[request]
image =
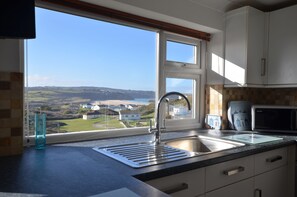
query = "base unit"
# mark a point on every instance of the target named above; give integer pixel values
(243, 189)
(273, 183)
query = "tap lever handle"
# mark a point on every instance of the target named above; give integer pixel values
(150, 130)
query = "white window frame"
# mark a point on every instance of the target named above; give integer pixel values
(189, 71)
(172, 69)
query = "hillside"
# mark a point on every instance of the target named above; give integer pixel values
(50, 94)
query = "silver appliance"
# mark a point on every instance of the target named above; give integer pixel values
(272, 118)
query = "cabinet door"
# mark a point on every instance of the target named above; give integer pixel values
(228, 172)
(244, 48)
(236, 47)
(243, 189)
(190, 183)
(272, 183)
(282, 47)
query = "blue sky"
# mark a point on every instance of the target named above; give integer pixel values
(75, 51)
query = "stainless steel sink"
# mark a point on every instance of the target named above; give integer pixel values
(139, 155)
(202, 144)
(146, 154)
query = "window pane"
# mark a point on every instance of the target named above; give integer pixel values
(87, 74)
(180, 52)
(177, 107)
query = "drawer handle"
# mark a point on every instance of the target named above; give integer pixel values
(233, 171)
(274, 159)
(258, 193)
(176, 188)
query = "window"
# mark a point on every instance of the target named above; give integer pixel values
(180, 64)
(186, 52)
(82, 73)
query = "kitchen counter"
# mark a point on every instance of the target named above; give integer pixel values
(74, 169)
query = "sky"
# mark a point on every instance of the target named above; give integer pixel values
(76, 51)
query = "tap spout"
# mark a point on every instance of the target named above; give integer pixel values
(157, 124)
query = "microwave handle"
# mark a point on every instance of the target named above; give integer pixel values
(294, 119)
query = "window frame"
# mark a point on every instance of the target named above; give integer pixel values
(159, 90)
(172, 69)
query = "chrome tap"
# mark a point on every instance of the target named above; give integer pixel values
(158, 128)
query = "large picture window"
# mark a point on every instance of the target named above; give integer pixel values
(95, 77)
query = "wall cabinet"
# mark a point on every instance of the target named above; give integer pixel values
(282, 58)
(262, 175)
(244, 47)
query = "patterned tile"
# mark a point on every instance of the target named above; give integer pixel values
(11, 113)
(261, 96)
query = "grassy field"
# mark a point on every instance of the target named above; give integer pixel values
(93, 124)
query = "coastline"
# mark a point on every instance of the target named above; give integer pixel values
(118, 102)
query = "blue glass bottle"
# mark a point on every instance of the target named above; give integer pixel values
(40, 131)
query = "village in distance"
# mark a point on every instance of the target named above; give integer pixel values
(73, 109)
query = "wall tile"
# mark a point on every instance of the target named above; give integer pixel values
(259, 96)
(17, 131)
(16, 113)
(14, 76)
(5, 113)
(5, 132)
(15, 104)
(11, 113)
(4, 76)
(4, 142)
(5, 123)
(4, 85)
(4, 104)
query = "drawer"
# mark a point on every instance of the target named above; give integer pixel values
(190, 183)
(225, 173)
(243, 188)
(270, 160)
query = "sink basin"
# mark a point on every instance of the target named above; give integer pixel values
(202, 144)
(139, 155)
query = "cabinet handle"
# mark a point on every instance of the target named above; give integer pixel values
(258, 193)
(274, 159)
(176, 188)
(233, 171)
(263, 67)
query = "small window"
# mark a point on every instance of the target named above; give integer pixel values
(180, 52)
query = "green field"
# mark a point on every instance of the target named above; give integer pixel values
(101, 123)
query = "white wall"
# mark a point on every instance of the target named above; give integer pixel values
(180, 12)
(215, 59)
(10, 55)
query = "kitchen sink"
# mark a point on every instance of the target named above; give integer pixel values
(202, 144)
(139, 155)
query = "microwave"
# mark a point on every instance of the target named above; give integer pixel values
(271, 118)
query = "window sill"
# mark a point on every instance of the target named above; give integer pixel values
(97, 135)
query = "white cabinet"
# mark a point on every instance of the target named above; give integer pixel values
(271, 178)
(272, 184)
(225, 173)
(282, 58)
(267, 174)
(190, 183)
(244, 48)
(243, 189)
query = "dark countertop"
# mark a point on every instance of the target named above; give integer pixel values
(74, 169)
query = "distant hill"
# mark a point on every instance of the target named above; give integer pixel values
(83, 94)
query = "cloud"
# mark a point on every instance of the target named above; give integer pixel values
(39, 80)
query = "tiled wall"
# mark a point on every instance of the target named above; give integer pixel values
(11, 113)
(267, 96)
